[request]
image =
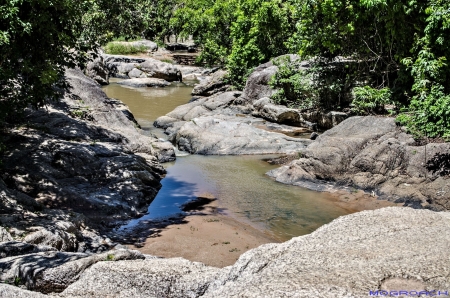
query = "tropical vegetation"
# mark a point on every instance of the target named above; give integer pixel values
(363, 54)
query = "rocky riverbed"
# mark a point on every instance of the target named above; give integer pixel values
(76, 168)
(389, 249)
(79, 164)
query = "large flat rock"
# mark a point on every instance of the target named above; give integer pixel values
(389, 249)
(373, 154)
(231, 135)
(217, 125)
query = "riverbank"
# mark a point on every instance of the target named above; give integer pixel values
(330, 261)
(209, 237)
(217, 239)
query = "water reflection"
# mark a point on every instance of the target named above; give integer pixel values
(147, 104)
(239, 182)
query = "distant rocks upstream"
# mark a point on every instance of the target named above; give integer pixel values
(130, 67)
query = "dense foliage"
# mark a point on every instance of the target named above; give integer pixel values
(402, 45)
(128, 19)
(363, 53)
(38, 39)
(238, 33)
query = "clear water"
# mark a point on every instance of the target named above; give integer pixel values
(239, 182)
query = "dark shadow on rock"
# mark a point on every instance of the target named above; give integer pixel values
(174, 202)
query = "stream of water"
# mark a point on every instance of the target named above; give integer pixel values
(239, 182)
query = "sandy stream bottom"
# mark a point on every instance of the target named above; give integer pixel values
(218, 240)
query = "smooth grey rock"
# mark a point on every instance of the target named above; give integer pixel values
(147, 278)
(354, 254)
(135, 73)
(372, 153)
(257, 85)
(53, 271)
(216, 125)
(265, 108)
(5, 235)
(144, 82)
(56, 279)
(212, 85)
(16, 292)
(349, 257)
(120, 66)
(97, 70)
(280, 114)
(230, 135)
(150, 45)
(161, 70)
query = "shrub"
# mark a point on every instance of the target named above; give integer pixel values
(368, 100)
(123, 48)
(428, 115)
(295, 86)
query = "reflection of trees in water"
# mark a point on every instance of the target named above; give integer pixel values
(161, 92)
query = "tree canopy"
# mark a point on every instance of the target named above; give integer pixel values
(38, 39)
(374, 51)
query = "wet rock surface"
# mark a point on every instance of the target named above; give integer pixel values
(373, 154)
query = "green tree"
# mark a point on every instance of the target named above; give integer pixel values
(401, 45)
(209, 21)
(259, 33)
(38, 40)
(237, 33)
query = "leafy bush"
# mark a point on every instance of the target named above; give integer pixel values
(428, 116)
(123, 48)
(259, 33)
(38, 40)
(294, 84)
(399, 44)
(209, 21)
(368, 100)
(240, 34)
(317, 85)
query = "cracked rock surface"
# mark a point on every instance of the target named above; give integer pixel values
(74, 169)
(367, 251)
(373, 154)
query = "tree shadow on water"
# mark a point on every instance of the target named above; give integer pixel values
(176, 200)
